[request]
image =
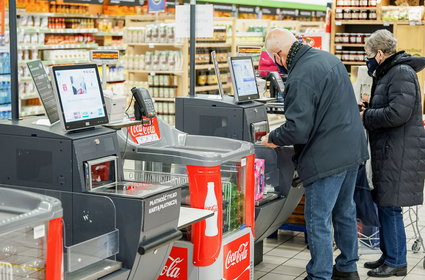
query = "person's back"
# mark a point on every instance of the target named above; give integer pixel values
(334, 140)
(323, 123)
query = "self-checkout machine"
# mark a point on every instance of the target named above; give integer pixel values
(113, 228)
(241, 117)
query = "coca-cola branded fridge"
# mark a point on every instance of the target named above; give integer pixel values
(220, 175)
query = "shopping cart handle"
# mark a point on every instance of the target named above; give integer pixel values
(158, 241)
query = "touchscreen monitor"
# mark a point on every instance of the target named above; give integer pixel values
(243, 79)
(79, 96)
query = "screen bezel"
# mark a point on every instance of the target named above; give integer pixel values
(243, 98)
(83, 123)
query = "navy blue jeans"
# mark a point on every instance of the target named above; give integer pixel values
(327, 199)
(392, 236)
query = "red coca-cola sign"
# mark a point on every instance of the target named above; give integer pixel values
(176, 266)
(237, 259)
(141, 134)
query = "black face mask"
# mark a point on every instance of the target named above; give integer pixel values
(371, 64)
(282, 69)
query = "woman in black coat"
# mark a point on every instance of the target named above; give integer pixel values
(397, 141)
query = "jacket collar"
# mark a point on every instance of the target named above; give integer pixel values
(388, 63)
(302, 50)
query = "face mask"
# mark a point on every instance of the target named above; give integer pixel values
(282, 69)
(371, 64)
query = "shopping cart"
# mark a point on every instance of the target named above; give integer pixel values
(418, 242)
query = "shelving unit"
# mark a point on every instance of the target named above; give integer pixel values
(163, 94)
(402, 30)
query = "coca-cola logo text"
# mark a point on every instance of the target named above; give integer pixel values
(172, 270)
(143, 130)
(234, 258)
(213, 208)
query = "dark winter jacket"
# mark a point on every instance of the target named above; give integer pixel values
(397, 136)
(322, 118)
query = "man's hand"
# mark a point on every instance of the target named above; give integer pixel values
(362, 108)
(265, 142)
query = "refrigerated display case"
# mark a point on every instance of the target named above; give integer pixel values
(220, 176)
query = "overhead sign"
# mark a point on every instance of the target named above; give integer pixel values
(155, 6)
(303, 13)
(204, 26)
(127, 2)
(224, 8)
(289, 12)
(269, 11)
(247, 9)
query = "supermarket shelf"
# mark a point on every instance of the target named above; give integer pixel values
(359, 22)
(153, 45)
(155, 72)
(57, 31)
(29, 96)
(115, 48)
(4, 74)
(354, 63)
(59, 61)
(23, 13)
(348, 45)
(116, 81)
(119, 33)
(164, 99)
(213, 45)
(357, 8)
(210, 66)
(249, 44)
(249, 34)
(64, 46)
(213, 87)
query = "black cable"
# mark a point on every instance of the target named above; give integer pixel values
(126, 139)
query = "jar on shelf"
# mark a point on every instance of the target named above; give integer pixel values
(364, 3)
(363, 15)
(353, 38)
(360, 56)
(372, 15)
(347, 14)
(202, 78)
(355, 3)
(338, 54)
(359, 38)
(345, 38)
(339, 15)
(366, 36)
(345, 55)
(355, 14)
(372, 3)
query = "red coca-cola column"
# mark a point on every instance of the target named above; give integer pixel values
(205, 193)
(250, 193)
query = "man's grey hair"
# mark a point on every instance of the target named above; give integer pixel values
(381, 40)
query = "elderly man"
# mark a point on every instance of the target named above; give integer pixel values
(323, 124)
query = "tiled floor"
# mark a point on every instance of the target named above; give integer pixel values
(286, 257)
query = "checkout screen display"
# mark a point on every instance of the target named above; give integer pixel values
(80, 94)
(243, 73)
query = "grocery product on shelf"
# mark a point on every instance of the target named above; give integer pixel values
(351, 38)
(152, 33)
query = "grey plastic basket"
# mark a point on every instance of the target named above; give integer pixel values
(24, 218)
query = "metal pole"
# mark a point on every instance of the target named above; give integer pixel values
(13, 60)
(192, 48)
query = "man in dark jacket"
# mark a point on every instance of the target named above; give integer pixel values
(397, 144)
(323, 124)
